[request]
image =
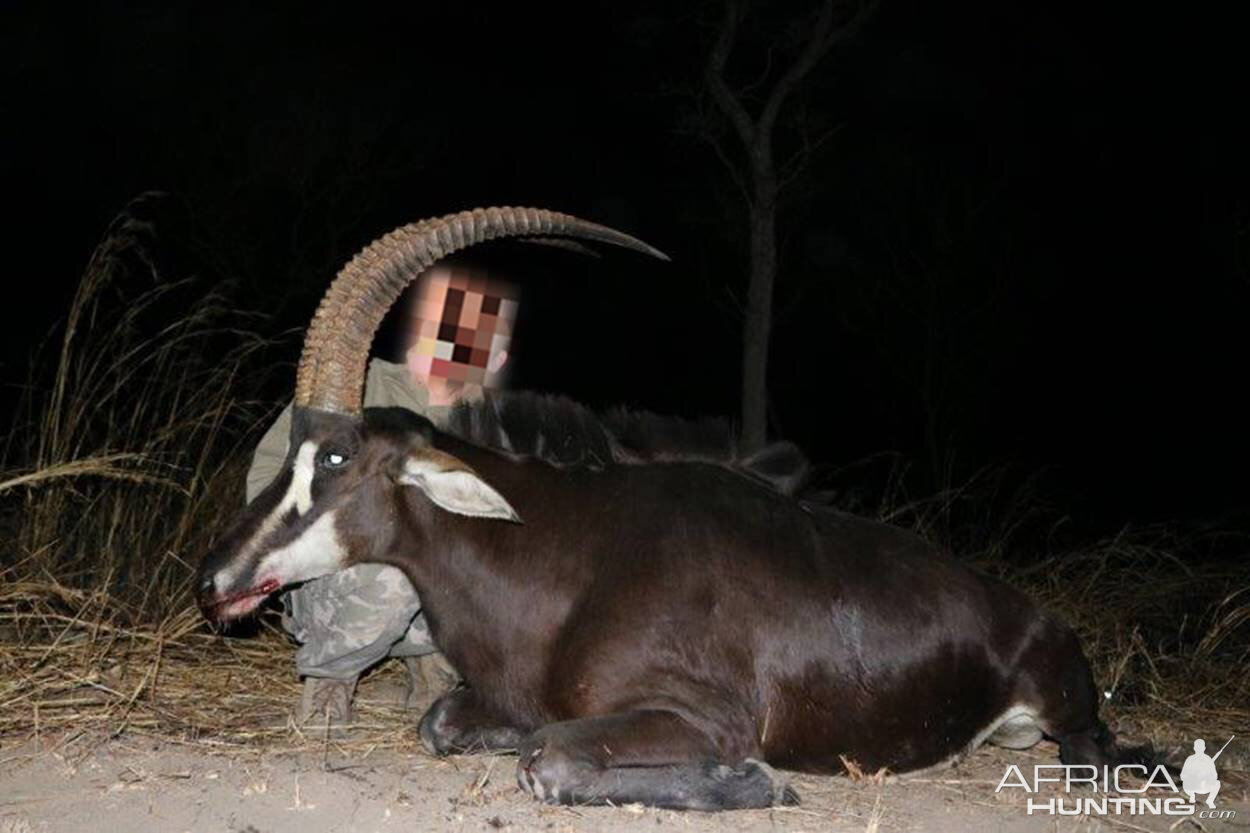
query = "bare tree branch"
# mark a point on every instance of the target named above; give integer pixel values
(734, 173)
(725, 98)
(767, 71)
(792, 167)
(818, 44)
(825, 34)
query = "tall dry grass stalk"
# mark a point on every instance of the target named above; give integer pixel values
(125, 459)
(126, 452)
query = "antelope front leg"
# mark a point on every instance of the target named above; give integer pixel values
(457, 724)
(647, 757)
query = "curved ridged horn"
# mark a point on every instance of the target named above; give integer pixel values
(336, 347)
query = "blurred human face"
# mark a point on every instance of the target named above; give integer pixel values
(461, 330)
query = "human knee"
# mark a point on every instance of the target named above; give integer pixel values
(416, 641)
(374, 602)
(375, 585)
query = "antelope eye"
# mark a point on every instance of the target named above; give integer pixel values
(333, 459)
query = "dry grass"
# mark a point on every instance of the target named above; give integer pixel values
(128, 456)
(129, 431)
(74, 674)
(121, 465)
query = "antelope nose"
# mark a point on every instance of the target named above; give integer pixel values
(206, 596)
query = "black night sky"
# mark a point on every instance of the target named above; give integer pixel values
(1026, 242)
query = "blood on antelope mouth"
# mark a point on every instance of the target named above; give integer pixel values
(263, 589)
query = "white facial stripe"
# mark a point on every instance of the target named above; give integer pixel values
(318, 552)
(300, 493)
(298, 496)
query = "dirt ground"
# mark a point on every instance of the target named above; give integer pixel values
(147, 785)
(221, 752)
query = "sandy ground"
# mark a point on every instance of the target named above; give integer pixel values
(149, 785)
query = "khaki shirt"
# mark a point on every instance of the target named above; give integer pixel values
(387, 385)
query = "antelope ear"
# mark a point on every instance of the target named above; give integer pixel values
(454, 486)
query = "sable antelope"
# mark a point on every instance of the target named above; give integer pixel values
(641, 629)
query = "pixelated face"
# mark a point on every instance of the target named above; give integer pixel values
(461, 330)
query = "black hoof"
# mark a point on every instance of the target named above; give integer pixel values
(758, 776)
(433, 743)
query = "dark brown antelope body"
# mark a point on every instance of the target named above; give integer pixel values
(785, 635)
(659, 630)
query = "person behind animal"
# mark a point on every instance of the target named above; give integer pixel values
(461, 330)
(1198, 774)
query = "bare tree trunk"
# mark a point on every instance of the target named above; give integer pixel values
(758, 317)
(760, 183)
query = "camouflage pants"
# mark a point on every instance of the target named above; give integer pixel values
(347, 621)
